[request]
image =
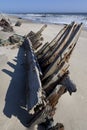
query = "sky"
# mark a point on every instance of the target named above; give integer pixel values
(43, 6)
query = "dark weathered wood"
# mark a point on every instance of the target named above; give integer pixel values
(57, 75)
(34, 85)
(50, 45)
(58, 48)
(5, 24)
(36, 38)
(49, 110)
(41, 30)
(41, 50)
(70, 86)
(44, 90)
(37, 44)
(48, 51)
(33, 35)
(73, 39)
(55, 95)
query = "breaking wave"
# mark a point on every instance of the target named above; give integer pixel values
(55, 18)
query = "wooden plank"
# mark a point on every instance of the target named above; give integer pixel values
(37, 44)
(44, 49)
(36, 37)
(51, 69)
(60, 72)
(34, 86)
(55, 95)
(48, 111)
(50, 48)
(38, 52)
(56, 76)
(41, 30)
(58, 48)
(45, 113)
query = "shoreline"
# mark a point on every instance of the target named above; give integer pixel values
(56, 18)
(15, 18)
(35, 26)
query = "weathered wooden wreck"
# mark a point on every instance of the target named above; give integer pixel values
(48, 72)
(6, 25)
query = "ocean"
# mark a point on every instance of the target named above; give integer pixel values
(56, 18)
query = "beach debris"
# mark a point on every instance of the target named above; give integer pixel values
(6, 17)
(18, 23)
(58, 126)
(49, 125)
(4, 42)
(36, 38)
(15, 38)
(48, 74)
(6, 25)
(19, 17)
(48, 46)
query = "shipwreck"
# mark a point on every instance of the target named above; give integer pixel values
(47, 69)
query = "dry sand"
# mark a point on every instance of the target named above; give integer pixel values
(71, 110)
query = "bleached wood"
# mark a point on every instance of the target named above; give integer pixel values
(57, 75)
(51, 69)
(50, 45)
(59, 47)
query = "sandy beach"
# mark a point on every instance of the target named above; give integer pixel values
(71, 110)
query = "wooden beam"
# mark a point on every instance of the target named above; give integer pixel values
(58, 48)
(55, 95)
(50, 45)
(56, 76)
(41, 30)
(33, 84)
(53, 66)
(48, 51)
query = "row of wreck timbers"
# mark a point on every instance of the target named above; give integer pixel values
(47, 67)
(48, 73)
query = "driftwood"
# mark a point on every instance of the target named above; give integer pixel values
(6, 26)
(36, 38)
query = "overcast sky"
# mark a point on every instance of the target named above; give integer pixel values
(43, 5)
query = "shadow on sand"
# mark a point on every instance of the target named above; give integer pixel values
(15, 100)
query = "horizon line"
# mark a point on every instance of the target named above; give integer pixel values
(60, 12)
(46, 12)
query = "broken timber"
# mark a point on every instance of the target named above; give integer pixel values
(71, 41)
(56, 42)
(34, 86)
(50, 45)
(46, 87)
(36, 37)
